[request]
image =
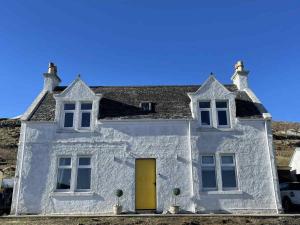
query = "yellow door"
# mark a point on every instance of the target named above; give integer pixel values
(145, 184)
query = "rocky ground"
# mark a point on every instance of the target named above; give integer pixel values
(157, 220)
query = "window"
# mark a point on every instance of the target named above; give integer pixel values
(83, 173)
(69, 109)
(64, 173)
(228, 172)
(85, 112)
(222, 113)
(208, 172)
(205, 113)
(146, 106)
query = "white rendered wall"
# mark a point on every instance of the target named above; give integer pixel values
(295, 161)
(114, 146)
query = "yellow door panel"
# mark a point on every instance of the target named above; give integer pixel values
(145, 184)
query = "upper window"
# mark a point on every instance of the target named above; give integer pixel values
(228, 172)
(85, 114)
(69, 110)
(222, 113)
(83, 173)
(208, 172)
(64, 173)
(205, 113)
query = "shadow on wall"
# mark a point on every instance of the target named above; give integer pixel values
(31, 184)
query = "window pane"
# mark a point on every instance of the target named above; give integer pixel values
(63, 179)
(228, 177)
(86, 119)
(69, 119)
(86, 106)
(84, 178)
(205, 118)
(84, 161)
(222, 118)
(204, 105)
(207, 160)
(69, 106)
(208, 178)
(227, 159)
(221, 104)
(65, 161)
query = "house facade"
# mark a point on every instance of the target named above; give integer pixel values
(80, 143)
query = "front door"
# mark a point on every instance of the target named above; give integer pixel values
(145, 184)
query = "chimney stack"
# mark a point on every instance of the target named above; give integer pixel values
(51, 78)
(240, 76)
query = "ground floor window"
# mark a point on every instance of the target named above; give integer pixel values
(218, 172)
(73, 178)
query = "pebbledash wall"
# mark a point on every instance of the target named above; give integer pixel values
(176, 144)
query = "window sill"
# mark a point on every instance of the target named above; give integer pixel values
(222, 192)
(77, 193)
(63, 130)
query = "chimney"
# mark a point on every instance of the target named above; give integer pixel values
(51, 79)
(240, 76)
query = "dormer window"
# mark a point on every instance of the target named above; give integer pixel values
(205, 113)
(69, 110)
(85, 115)
(222, 113)
(146, 106)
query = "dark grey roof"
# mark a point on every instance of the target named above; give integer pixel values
(169, 102)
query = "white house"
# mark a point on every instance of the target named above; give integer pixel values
(80, 143)
(295, 164)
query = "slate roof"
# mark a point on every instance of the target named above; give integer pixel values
(169, 102)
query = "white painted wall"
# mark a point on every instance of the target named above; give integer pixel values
(295, 161)
(114, 146)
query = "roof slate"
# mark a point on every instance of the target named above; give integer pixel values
(123, 102)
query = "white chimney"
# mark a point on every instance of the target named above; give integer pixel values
(240, 76)
(51, 79)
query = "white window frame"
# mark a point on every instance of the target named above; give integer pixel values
(229, 165)
(227, 113)
(83, 111)
(63, 167)
(149, 104)
(213, 165)
(83, 167)
(68, 111)
(205, 109)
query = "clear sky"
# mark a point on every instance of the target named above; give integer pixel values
(139, 42)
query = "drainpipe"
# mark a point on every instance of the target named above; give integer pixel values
(273, 168)
(191, 160)
(23, 128)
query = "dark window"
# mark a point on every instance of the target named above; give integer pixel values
(208, 172)
(228, 171)
(205, 118)
(222, 118)
(86, 106)
(68, 119)
(69, 106)
(204, 105)
(85, 119)
(64, 173)
(84, 173)
(221, 104)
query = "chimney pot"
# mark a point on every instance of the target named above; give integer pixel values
(240, 76)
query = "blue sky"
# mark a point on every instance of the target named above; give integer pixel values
(118, 42)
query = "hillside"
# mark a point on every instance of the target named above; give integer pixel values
(286, 139)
